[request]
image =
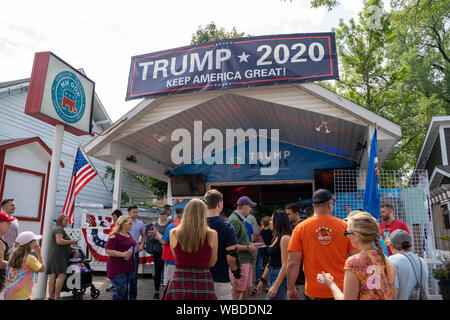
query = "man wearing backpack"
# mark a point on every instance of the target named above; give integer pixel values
(411, 271)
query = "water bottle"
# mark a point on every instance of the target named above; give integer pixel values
(131, 251)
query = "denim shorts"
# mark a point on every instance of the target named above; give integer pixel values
(282, 289)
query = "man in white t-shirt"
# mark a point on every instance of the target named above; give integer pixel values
(407, 265)
(9, 206)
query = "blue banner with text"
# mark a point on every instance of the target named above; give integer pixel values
(234, 63)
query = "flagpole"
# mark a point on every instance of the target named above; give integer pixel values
(372, 192)
(50, 208)
(92, 165)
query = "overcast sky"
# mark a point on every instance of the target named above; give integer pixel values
(102, 36)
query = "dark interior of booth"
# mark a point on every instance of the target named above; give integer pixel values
(268, 197)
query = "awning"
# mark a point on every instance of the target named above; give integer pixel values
(307, 115)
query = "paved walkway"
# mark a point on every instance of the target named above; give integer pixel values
(146, 289)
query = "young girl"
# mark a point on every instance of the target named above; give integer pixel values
(277, 252)
(22, 266)
(368, 274)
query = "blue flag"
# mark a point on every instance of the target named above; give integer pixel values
(372, 193)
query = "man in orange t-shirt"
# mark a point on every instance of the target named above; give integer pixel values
(321, 242)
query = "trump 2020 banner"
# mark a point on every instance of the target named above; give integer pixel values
(234, 63)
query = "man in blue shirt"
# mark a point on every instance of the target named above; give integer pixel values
(169, 259)
(226, 253)
(410, 269)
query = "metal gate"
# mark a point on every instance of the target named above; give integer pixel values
(408, 192)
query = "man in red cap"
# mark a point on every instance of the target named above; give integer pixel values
(9, 206)
(5, 224)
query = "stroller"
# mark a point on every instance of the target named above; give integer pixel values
(79, 275)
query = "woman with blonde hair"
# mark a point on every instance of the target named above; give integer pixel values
(59, 255)
(194, 246)
(22, 267)
(120, 264)
(368, 274)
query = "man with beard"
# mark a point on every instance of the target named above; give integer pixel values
(390, 224)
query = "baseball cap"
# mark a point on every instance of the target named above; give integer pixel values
(27, 236)
(242, 201)
(398, 238)
(321, 196)
(5, 218)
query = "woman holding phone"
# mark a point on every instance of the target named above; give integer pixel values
(59, 255)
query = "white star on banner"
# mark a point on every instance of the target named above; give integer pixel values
(243, 57)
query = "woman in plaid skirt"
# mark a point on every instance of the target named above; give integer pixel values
(194, 246)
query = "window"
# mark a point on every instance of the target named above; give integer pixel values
(27, 189)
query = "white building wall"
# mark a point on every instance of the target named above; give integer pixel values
(16, 124)
(30, 156)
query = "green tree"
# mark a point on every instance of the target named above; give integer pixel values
(212, 33)
(423, 46)
(366, 76)
(383, 69)
(159, 188)
(420, 49)
(422, 35)
(329, 4)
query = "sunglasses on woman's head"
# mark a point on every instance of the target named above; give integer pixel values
(346, 233)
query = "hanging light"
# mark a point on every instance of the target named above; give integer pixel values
(132, 158)
(325, 125)
(159, 138)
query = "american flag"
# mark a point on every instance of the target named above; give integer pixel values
(82, 173)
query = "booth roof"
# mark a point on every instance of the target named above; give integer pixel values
(303, 113)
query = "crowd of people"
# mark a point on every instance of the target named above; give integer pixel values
(200, 253)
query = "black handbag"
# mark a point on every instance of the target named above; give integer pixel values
(152, 245)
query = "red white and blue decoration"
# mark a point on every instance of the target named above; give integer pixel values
(98, 221)
(96, 240)
(82, 173)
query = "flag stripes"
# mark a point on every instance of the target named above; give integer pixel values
(82, 173)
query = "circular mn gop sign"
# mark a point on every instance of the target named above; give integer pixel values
(68, 97)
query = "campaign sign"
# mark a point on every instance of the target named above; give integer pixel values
(234, 63)
(60, 94)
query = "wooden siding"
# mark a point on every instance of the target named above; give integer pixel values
(435, 158)
(447, 141)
